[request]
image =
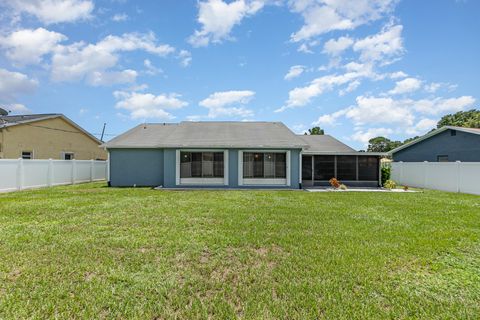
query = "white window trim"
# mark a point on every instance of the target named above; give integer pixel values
(65, 152)
(201, 181)
(264, 181)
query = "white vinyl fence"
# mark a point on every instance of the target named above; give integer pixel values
(24, 174)
(447, 176)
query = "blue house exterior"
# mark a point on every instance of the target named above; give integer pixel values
(233, 155)
(158, 167)
(446, 144)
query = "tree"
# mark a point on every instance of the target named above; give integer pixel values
(467, 119)
(410, 139)
(382, 144)
(315, 131)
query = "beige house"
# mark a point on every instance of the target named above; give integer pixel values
(46, 136)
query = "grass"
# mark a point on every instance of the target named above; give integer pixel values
(88, 251)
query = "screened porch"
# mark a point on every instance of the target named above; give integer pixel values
(359, 170)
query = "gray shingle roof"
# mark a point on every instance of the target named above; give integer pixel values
(323, 144)
(209, 135)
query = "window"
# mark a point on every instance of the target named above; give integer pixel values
(442, 158)
(453, 132)
(68, 156)
(347, 167)
(368, 168)
(323, 167)
(268, 165)
(201, 165)
(27, 155)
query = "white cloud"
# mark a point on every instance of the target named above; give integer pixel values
(81, 61)
(363, 136)
(374, 110)
(301, 96)
(151, 69)
(435, 86)
(304, 48)
(335, 47)
(28, 46)
(120, 17)
(294, 72)
(421, 127)
(185, 58)
(98, 78)
(13, 84)
(441, 105)
(407, 85)
(352, 86)
(147, 105)
(398, 75)
(16, 108)
(228, 104)
(54, 11)
(329, 119)
(322, 16)
(218, 19)
(381, 47)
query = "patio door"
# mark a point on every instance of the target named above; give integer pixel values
(307, 171)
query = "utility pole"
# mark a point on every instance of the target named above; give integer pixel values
(103, 131)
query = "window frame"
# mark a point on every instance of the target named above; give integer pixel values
(67, 152)
(264, 181)
(31, 155)
(214, 181)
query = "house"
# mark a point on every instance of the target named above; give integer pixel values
(46, 136)
(234, 155)
(446, 144)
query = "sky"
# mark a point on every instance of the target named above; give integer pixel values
(358, 69)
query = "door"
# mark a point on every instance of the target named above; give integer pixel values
(307, 171)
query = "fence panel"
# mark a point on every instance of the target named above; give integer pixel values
(35, 173)
(8, 175)
(447, 176)
(23, 174)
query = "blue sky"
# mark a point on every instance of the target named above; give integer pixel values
(356, 68)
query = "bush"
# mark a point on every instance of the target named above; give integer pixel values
(390, 184)
(334, 183)
(343, 187)
(385, 174)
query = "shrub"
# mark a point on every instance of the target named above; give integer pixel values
(390, 184)
(334, 183)
(343, 187)
(405, 188)
(386, 172)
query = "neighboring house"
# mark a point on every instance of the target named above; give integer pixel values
(234, 155)
(46, 136)
(446, 144)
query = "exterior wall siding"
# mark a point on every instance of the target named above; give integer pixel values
(157, 167)
(140, 167)
(463, 147)
(47, 143)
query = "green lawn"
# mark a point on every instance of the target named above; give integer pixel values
(88, 251)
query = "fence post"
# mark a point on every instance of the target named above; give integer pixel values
(20, 174)
(50, 173)
(458, 175)
(425, 174)
(74, 170)
(91, 169)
